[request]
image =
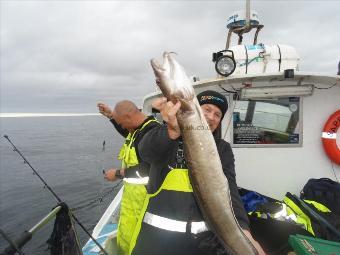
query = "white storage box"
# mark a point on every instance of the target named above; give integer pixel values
(260, 58)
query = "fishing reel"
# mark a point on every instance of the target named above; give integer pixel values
(225, 63)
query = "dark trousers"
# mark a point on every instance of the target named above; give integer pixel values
(155, 241)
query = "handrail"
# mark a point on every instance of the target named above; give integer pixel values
(45, 220)
(26, 236)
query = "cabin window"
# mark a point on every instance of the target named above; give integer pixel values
(157, 115)
(267, 122)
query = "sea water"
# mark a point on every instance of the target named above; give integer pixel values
(68, 152)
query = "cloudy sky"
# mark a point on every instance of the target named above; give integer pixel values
(64, 56)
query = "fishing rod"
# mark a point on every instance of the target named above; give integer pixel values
(54, 194)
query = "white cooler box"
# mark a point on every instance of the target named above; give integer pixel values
(264, 58)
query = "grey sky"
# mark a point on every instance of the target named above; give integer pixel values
(65, 56)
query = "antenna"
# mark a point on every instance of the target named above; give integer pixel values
(242, 22)
(247, 13)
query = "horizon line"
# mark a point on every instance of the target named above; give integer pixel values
(34, 114)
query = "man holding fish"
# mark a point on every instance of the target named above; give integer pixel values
(191, 207)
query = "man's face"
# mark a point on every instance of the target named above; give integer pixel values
(212, 114)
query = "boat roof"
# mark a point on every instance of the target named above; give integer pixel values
(267, 79)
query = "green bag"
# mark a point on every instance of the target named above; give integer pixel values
(304, 245)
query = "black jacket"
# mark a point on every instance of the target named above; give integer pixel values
(157, 149)
(142, 167)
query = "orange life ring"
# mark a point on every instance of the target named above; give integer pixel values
(329, 137)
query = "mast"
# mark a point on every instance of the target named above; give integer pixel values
(247, 13)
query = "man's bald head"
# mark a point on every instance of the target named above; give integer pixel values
(126, 107)
(128, 115)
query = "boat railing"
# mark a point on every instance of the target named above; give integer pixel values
(26, 236)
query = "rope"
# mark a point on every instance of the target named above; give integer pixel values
(99, 198)
(327, 87)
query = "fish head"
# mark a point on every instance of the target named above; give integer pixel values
(172, 79)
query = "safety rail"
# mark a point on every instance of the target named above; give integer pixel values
(26, 236)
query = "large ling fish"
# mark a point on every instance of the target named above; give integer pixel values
(207, 178)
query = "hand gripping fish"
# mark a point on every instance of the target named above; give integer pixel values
(207, 178)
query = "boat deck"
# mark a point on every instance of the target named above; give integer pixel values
(91, 248)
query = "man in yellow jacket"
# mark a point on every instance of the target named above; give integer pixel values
(132, 124)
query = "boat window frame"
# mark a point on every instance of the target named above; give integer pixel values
(262, 145)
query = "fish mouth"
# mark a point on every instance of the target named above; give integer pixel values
(168, 62)
(157, 68)
(172, 79)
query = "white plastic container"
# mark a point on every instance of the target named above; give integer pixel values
(260, 58)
